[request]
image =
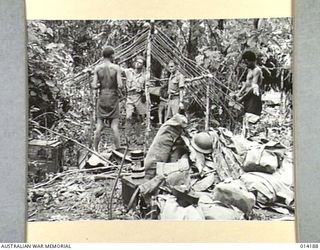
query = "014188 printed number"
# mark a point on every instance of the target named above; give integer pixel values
(309, 245)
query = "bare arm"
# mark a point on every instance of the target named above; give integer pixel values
(119, 78)
(94, 83)
(181, 87)
(163, 99)
(245, 94)
(242, 88)
(266, 69)
(257, 76)
(124, 70)
(257, 81)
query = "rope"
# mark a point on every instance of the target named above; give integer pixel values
(118, 54)
(199, 101)
(130, 57)
(199, 73)
(188, 62)
(138, 34)
(127, 50)
(155, 53)
(164, 50)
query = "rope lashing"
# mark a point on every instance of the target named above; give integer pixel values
(163, 49)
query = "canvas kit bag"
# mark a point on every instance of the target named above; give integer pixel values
(161, 147)
(264, 158)
(234, 193)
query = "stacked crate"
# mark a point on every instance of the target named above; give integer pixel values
(44, 156)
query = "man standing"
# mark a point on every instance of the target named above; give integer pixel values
(175, 90)
(107, 80)
(250, 93)
(136, 80)
(136, 100)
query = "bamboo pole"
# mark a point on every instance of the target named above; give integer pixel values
(92, 114)
(147, 83)
(207, 108)
(148, 74)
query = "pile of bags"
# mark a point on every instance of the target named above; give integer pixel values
(216, 175)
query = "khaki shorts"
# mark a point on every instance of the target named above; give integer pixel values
(173, 107)
(133, 104)
(162, 105)
(251, 118)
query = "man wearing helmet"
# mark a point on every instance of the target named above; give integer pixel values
(202, 142)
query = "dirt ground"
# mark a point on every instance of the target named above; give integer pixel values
(85, 195)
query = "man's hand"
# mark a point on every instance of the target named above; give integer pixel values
(95, 93)
(181, 106)
(255, 89)
(239, 97)
(143, 97)
(95, 86)
(163, 99)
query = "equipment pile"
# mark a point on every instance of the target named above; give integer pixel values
(187, 175)
(215, 174)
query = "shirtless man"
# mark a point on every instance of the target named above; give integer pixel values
(250, 93)
(107, 79)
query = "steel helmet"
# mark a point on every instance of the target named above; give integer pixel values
(202, 142)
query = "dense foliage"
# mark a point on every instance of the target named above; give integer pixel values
(61, 56)
(61, 49)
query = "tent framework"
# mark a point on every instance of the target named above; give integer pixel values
(154, 43)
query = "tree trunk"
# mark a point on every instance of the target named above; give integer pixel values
(192, 46)
(256, 23)
(220, 24)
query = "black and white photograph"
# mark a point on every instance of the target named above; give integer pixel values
(160, 120)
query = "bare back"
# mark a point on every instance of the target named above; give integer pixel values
(107, 76)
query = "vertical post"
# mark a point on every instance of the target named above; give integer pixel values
(207, 107)
(148, 74)
(282, 106)
(92, 102)
(46, 125)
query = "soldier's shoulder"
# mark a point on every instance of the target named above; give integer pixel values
(179, 74)
(128, 69)
(114, 66)
(98, 67)
(257, 70)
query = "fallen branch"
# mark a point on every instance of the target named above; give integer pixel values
(32, 214)
(117, 178)
(75, 141)
(70, 173)
(48, 182)
(102, 177)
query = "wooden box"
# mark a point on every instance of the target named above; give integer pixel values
(45, 154)
(129, 185)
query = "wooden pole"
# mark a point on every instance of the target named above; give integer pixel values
(148, 75)
(207, 108)
(92, 113)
